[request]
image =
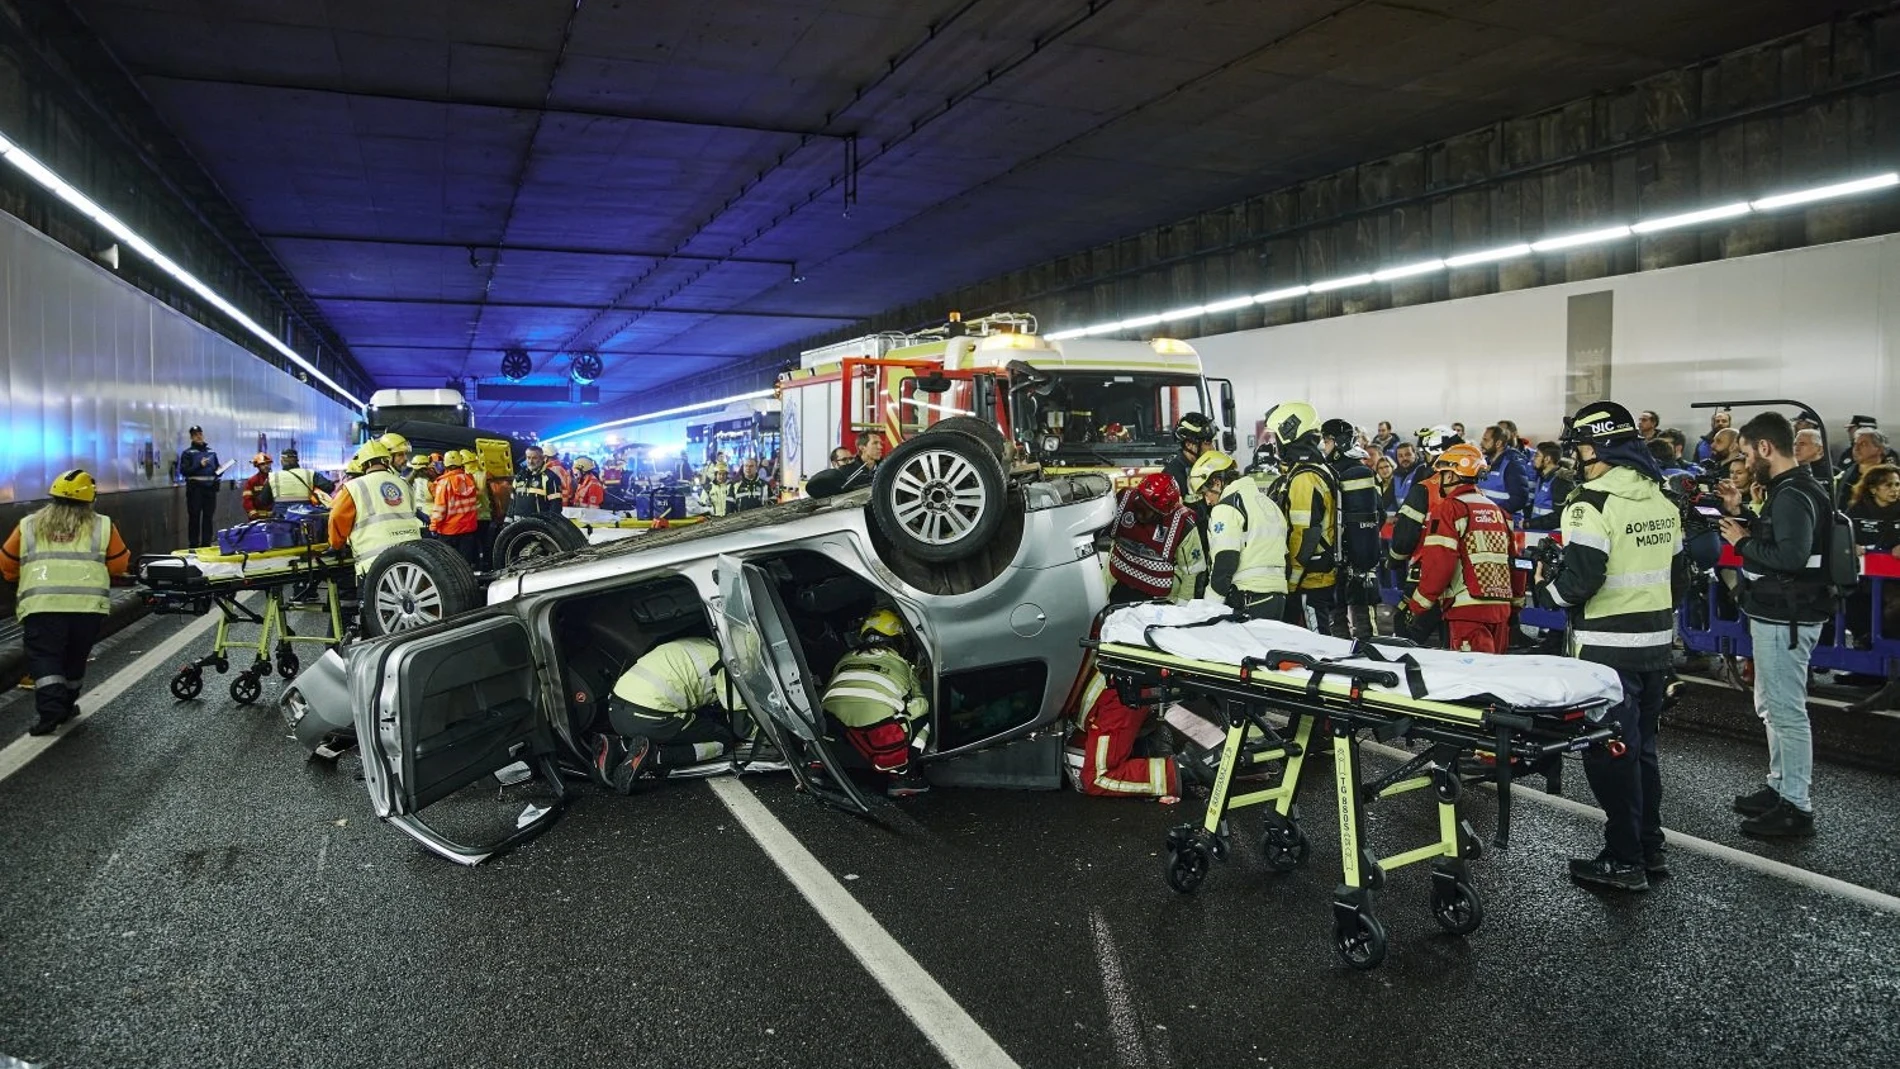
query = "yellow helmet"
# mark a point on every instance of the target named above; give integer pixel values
(354, 468)
(881, 627)
(395, 443)
(418, 462)
(1292, 421)
(583, 464)
(374, 449)
(471, 459)
(75, 485)
(1210, 463)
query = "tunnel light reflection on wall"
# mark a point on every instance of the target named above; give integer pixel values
(1580, 239)
(651, 416)
(59, 187)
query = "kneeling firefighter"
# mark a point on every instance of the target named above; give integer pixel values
(875, 694)
(1463, 596)
(672, 708)
(1309, 492)
(1101, 756)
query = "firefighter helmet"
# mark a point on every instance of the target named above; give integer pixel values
(418, 462)
(1436, 438)
(1293, 421)
(373, 450)
(1462, 460)
(261, 460)
(1341, 431)
(1160, 492)
(395, 443)
(75, 485)
(582, 464)
(1602, 423)
(882, 627)
(1194, 427)
(1211, 464)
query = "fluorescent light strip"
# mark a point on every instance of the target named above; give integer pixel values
(651, 416)
(1509, 252)
(39, 172)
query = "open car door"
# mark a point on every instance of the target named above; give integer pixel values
(765, 661)
(439, 709)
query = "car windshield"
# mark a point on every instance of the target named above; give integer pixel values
(1093, 410)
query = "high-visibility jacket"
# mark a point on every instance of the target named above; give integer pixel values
(1143, 555)
(1621, 536)
(455, 505)
(1507, 483)
(1312, 517)
(385, 515)
(1247, 524)
(422, 492)
(535, 493)
(589, 491)
(745, 494)
(64, 576)
(1465, 563)
(1190, 564)
(484, 508)
(293, 485)
(677, 677)
(873, 685)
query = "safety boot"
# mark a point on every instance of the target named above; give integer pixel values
(1606, 871)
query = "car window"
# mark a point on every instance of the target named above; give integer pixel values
(979, 703)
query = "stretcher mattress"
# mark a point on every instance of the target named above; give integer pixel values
(191, 567)
(1528, 682)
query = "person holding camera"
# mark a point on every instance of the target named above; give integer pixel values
(1621, 535)
(1786, 599)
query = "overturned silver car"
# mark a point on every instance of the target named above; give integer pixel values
(995, 574)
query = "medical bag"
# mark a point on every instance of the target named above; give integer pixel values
(313, 519)
(256, 536)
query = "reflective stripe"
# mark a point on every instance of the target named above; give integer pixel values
(1814, 561)
(379, 523)
(1556, 597)
(1442, 542)
(684, 694)
(1358, 484)
(1412, 514)
(1300, 517)
(1625, 639)
(1588, 538)
(1156, 783)
(1631, 579)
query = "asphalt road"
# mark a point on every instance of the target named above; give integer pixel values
(180, 887)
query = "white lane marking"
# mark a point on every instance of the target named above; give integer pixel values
(1124, 1024)
(1853, 892)
(1721, 684)
(25, 748)
(947, 1026)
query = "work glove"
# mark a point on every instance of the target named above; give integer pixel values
(1404, 623)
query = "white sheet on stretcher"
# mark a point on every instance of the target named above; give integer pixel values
(223, 570)
(1525, 681)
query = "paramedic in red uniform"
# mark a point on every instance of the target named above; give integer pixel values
(1150, 527)
(1464, 564)
(1107, 730)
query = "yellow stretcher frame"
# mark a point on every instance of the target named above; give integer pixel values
(312, 567)
(1502, 742)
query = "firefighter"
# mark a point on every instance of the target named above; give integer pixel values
(1464, 581)
(749, 491)
(257, 494)
(1195, 432)
(1408, 528)
(1246, 541)
(1208, 479)
(64, 557)
(671, 709)
(1157, 551)
(398, 447)
(537, 492)
(875, 693)
(1621, 539)
(376, 509)
(589, 491)
(1361, 516)
(1101, 755)
(484, 506)
(1309, 493)
(454, 515)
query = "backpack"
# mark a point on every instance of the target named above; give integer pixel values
(1834, 532)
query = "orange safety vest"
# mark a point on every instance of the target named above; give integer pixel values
(1473, 527)
(456, 504)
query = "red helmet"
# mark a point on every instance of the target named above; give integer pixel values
(1160, 492)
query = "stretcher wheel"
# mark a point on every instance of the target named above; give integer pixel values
(1461, 911)
(1285, 847)
(1360, 941)
(187, 683)
(1187, 867)
(245, 688)
(222, 664)
(288, 665)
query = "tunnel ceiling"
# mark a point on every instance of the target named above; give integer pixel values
(665, 181)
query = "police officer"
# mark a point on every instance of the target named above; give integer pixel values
(1360, 519)
(1246, 541)
(1311, 495)
(1621, 537)
(875, 693)
(375, 511)
(64, 557)
(1195, 432)
(672, 708)
(1464, 568)
(537, 490)
(749, 491)
(198, 466)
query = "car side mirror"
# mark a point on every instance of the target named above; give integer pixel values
(1228, 443)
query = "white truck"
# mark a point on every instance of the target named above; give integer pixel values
(1083, 404)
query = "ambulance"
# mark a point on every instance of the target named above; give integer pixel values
(1081, 404)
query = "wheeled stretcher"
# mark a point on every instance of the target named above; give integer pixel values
(299, 579)
(1479, 717)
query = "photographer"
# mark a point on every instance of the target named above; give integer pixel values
(1621, 536)
(1786, 599)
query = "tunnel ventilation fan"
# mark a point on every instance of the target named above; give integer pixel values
(586, 367)
(516, 364)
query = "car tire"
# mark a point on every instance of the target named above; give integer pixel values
(416, 584)
(528, 537)
(981, 429)
(939, 497)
